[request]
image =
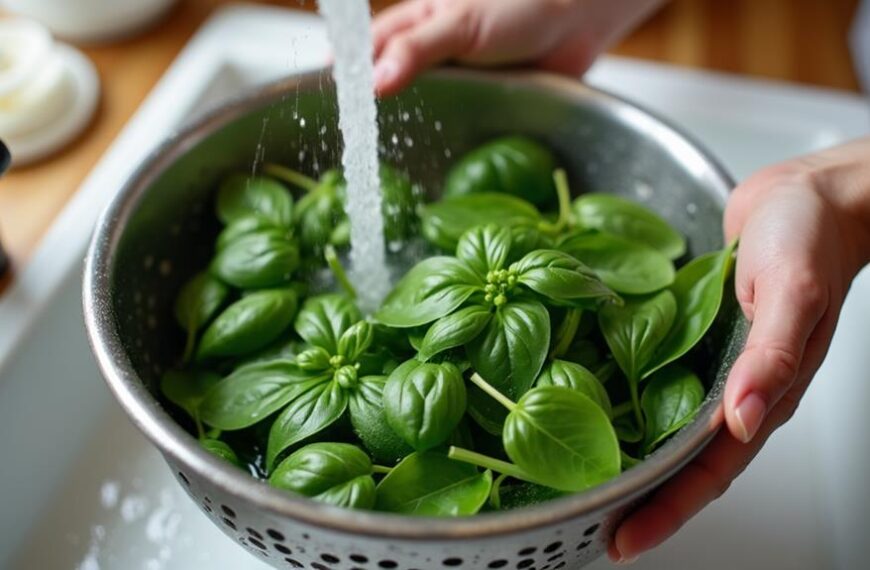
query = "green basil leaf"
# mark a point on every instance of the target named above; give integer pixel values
(400, 201)
(485, 248)
(187, 388)
(249, 324)
(624, 266)
(366, 408)
(521, 495)
(572, 375)
(431, 289)
(562, 439)
(509, 354)
(424, 402)
(199, 300)
(281, 349)
(627, 429)
(252, 393)
(698, 289)
(320, 211)
(257, 260)
(307, 414)
(359, 493)
(444, 221)
(670, 400)
(526, 239)
(356, 340)
(241, 196)
(628, 461)
(511, 165)
(623, 218)
(246, 226)
(636, 330)
(338, 474)
(221, 449)
(430, 484)
(456, 329)
(560, 277)
(323, 319)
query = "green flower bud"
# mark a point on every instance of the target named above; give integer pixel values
(313, 359)
(346, 376)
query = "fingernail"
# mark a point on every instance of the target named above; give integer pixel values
(750, 413)
(386, 71)
(626, 561)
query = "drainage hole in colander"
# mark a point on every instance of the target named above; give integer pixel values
(275, 535)
(319, 566)
(553, 547)
(527, 551)
(559, 565)
(228, 511)
(525, 562)
(452, 562)
(183, 478)
(257, 543)
(330, 558)
(584, 544)
(501, 563)
(255, 533)
(293, 563)
(229, 523)
(359, 558)
(591, 530)
(555, 557)
(282, 549)
(388, 564)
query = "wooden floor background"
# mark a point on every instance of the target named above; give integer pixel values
(803, 41)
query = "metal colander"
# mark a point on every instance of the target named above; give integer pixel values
(160, 228)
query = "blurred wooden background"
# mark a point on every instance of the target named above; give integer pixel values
(794, 40)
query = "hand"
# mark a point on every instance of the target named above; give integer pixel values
(564, 36)
(804, 230)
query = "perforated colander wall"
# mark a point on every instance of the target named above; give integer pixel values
(284, 543)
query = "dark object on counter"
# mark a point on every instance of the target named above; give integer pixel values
(5, 158)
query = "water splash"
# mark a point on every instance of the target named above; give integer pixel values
(348, 24)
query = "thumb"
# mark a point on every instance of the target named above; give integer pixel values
(787, 307)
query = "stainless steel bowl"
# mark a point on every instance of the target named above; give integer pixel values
(160, 227)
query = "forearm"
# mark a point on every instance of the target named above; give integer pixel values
(608, 26)
(843, 175)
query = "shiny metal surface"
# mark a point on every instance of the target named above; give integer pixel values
(160, 227)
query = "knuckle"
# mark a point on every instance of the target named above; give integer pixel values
(711, 477)
(408, 46)
(784, 364)
(809, 292)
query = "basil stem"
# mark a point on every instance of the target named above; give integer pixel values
(481, 460)
(564, 194)
(338, 271)
(566, 333)
(495, 394)
(293, 177)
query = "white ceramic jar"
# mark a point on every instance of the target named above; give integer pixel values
(90, 20)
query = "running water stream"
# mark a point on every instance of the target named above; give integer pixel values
(348, 24)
